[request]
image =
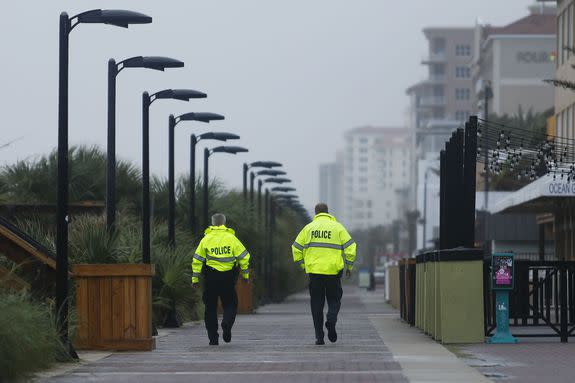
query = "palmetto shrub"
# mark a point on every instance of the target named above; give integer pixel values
(28, 337)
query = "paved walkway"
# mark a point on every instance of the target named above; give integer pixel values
(277, 345)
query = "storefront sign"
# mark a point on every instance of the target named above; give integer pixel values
(526, 57)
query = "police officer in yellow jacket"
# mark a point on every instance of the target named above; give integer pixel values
(216, 258)
(323, 249)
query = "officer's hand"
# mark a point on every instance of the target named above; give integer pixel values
(245, 281)
(348, 274)
(195, 285)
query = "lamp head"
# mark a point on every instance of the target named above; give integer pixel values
(117, 17)
(180, 94)
(201, 116)
(265, 164)
(271, 172)
(152, 62)
(218, 136)
(277, 180)
(283, 189)
(229, 149)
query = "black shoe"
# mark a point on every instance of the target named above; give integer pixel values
(319, 342)
(227, 332)
(331, 333)
(214, 342)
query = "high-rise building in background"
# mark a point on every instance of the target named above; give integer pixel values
(438, 105)
(331, 185)
(514, 59)
(377, 165)
(565, 98)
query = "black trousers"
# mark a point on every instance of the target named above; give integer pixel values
(322, 287)
(222, 285)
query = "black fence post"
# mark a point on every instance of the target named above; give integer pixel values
(458, 192)
(563, 268)
(442, 210)
(469, 182)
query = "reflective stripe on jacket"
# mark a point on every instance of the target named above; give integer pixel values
(324, 246)
(222, 250)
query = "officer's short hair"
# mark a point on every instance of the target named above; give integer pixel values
(218, 219)
(321, 208)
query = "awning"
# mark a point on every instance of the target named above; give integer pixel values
(540, 196)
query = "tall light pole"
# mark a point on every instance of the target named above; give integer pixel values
(172, 122)
(265, 172)
(257, 164)
(147, 100)
(207, 154)
(148, 62)
(268, 264)
(275, 180)
(193, 142)
(120, 18)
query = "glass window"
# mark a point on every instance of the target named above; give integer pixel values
(462, 72)
(463, 50)
(462, 94)
(438, 46)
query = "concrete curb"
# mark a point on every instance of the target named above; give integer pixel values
(421, 358)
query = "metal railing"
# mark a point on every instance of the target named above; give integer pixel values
(544, 296)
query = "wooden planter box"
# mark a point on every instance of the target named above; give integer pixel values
(245, 296)
(114, 307)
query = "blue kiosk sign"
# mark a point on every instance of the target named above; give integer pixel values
(502, 281)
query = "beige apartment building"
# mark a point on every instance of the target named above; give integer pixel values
(514, 60)
(565, 99)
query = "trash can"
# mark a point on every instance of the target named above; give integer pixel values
(459, 288)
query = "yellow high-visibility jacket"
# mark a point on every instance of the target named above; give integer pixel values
(221, 250)
(324, 246)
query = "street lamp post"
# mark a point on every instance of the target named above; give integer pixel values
(120, 18)
(193, 142)
(268, 265)
(207, 153)
(173, 121)
(257, 164)
(148, 62)
(147, 100)
(265, 172)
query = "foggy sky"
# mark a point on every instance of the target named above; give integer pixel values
(290, 76)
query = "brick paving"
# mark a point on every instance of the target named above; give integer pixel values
(531, 360)
(274, 345)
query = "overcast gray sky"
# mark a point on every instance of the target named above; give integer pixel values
(290, 76)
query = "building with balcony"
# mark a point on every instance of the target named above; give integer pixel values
(438, 105)
(447, 92)
(515, 59)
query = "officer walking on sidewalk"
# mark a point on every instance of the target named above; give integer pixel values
(216, 258)
(323, 249)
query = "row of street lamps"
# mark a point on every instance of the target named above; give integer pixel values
(124, 18)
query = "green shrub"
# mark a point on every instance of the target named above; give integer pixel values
(172, 284)
(28, 337)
